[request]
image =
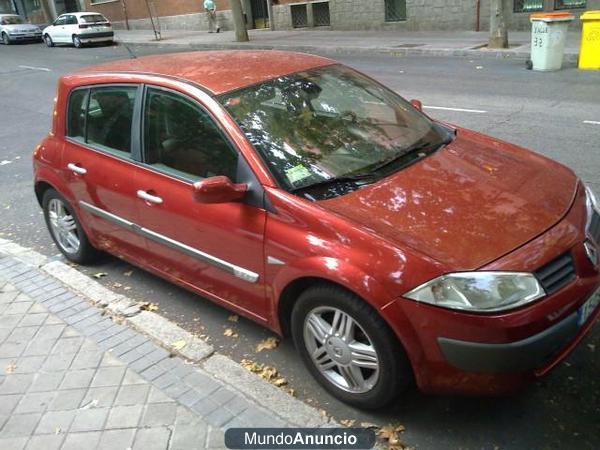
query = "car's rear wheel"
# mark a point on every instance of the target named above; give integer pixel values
(77, 41)
(5, 39)
(66, 230)
(348, 347)
(48, 40)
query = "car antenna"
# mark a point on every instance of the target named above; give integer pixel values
(131, 52)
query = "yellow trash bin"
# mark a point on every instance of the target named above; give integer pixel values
(589, 53)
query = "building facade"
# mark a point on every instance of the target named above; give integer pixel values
(412, 15)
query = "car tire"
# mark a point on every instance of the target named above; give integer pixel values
(48, 40)
(5, 39)
(369, 387)
(60, 216)
(77, 42)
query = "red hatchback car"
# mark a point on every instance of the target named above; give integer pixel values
(311, 199)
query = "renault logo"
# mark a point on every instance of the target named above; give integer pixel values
(592, 252)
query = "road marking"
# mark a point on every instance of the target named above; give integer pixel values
(592, 122)
(42, 69)
(476, 111)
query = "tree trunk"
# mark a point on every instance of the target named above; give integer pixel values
(241, 34)
(47, 11)
(498, 32)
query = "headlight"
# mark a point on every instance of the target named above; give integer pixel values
(479, 291)
(591, 200)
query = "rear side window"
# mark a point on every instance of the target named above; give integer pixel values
(103, 117)
(76, 119)
(71, 20)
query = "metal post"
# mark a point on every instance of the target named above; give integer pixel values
(125, 14)
(270, 11)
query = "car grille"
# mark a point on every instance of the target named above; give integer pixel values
(557, 273)
(594, 228)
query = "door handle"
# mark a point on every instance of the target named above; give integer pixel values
(75, 168)
(149, 197)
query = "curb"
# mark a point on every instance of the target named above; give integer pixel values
(166, 333)
(475, 51)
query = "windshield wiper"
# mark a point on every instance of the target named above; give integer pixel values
(415, 152)
(359, 179)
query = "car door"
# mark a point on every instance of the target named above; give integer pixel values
(57, 30)
(99, 165)
(215, 248)
(71, 27)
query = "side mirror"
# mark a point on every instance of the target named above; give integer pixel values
(417, 104)
(218, 190)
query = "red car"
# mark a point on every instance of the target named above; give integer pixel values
(311, 199)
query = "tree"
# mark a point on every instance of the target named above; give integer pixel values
(498, 32)
(47, 11)
(241, 34)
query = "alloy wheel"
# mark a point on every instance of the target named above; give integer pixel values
(5, 39)
(77, 41)
(64, 227)
(341, 350)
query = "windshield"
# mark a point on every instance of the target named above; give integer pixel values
(11, 20)
(329, 124)
(91, 18)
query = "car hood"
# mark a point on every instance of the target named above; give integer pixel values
(466, 205)
(21, 28)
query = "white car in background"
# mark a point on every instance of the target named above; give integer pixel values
(79, 29)
(14, 29)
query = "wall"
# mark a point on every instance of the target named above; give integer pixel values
(345, 14)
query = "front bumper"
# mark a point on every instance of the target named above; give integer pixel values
(488, 354)
(25, 37)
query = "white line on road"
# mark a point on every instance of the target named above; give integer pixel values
(476, 111)
(592, 122)
(43, 69)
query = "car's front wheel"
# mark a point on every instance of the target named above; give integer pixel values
(48, 40)
(77, 41)
(5, 39)
(348, 347)
(66, 230)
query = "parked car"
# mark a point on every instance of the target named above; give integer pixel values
(79, 29)
(14, 29)
(313, 200)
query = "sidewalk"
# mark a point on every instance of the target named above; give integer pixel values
(75, 376)
(394, 43)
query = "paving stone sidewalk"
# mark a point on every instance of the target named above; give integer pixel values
(72, 378)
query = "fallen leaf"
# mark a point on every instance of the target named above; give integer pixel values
(230, 333)
(128, 273)
(147, 306)
(280, 382)
(267, 344)
(100, 275)
(117, 285)
(233, 318)
(323, 413)
(292, 392)
(391, 434)
(479, 67)
(11, 367)
(57, 430)
(592, 347)
(126, 288)
(348, 422)
(178, 345)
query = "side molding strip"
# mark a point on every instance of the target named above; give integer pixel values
(237, 271)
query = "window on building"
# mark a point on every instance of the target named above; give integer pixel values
(181, 139)
(395, 10)
(528, 5)
(569, 4)
(109, 118)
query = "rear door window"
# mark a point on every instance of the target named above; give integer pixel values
(102, 117)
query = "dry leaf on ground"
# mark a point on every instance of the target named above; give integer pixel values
(229, 332)
(348, 422)
(147, 306)
(128, 273)
(268, 373)
(391, 435)
(233, 318)
(267, 344)
(100, 275)
(178, 345)
(11, 367)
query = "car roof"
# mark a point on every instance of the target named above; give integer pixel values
(217, 71)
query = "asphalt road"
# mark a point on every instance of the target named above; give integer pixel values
(552, 113)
